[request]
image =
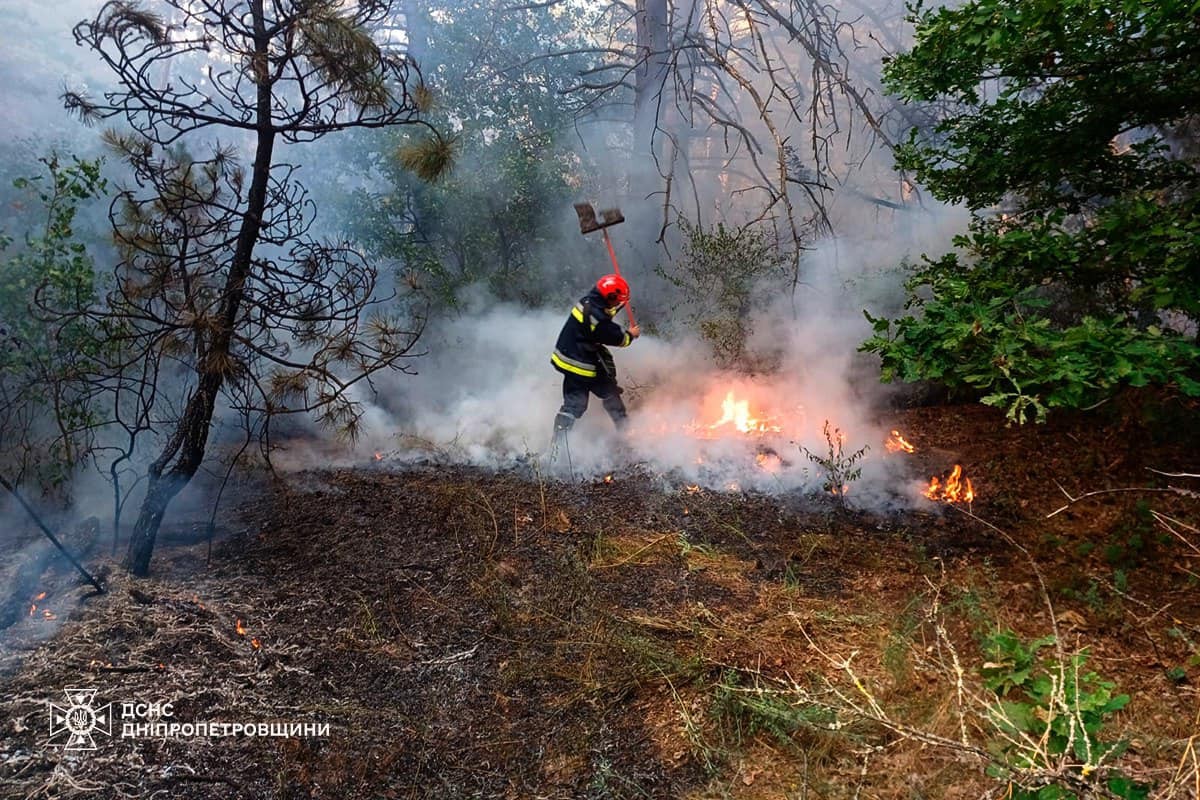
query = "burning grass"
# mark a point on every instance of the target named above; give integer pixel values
(471, 633)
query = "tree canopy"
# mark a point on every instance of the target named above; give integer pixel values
(1069, 128)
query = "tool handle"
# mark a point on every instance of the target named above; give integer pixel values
(617, 269)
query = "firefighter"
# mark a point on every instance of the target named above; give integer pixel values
(582, 356)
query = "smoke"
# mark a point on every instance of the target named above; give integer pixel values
(485, 393)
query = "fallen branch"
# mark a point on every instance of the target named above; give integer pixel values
(453, 658)
(1174, 474)
(50, 535)
(1074, 500)
(1166, 522)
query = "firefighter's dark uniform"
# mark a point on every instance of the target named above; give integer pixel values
(582, 357)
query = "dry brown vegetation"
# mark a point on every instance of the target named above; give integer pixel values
(478, 634)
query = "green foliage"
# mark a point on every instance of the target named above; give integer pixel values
(1075, 115)
(1004, 327)
(1040, 90)
(1048, 711)
(503, 175)
(783, 717)
(839, 468)
(44, 416)
(723, 274)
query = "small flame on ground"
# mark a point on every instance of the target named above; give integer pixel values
(255, 643)
(608, 478)
(768, 462)
(896, 443)
(379, 456)
(692, 489)
(240, 630)
(737, 413)
(49, 615)
(955, 489)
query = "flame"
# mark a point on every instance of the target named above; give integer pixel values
(896, 443)
(608, 478)
(378, 456)
(955, 489)
(49, 615)
(41, 596)
(240, 630)
(691, 489)
(255, 643)
(768, 462)
(737, 413)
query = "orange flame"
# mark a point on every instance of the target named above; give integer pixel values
(240, 630)
(956, 489)
(49, 615)
(379, 456)
(255, 643)
(896, 443)
(768, 462)
(608, 478)
(737, 413)
(33, 605)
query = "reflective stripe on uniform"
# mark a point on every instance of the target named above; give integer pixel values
(625, 342)
(573, 366)
(577, 313)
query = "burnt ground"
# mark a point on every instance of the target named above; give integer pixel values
(477, 634)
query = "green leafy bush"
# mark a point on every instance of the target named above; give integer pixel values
(723, 274)
(1050, 718)
(1075, 118)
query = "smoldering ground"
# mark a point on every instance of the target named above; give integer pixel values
(485, 393)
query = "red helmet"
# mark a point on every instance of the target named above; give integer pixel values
(613, 289)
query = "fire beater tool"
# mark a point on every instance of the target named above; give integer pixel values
(608, 217)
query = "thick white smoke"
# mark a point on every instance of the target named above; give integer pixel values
(486, 394)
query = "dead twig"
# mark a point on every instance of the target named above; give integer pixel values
(1074, 500)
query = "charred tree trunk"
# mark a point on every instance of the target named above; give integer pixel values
(187, 444)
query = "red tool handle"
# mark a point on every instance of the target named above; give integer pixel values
(617, 269)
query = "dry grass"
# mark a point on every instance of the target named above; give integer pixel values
(446, 622)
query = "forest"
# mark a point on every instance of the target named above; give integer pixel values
(889, 317)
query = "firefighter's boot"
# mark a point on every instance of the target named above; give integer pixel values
(558, 444)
